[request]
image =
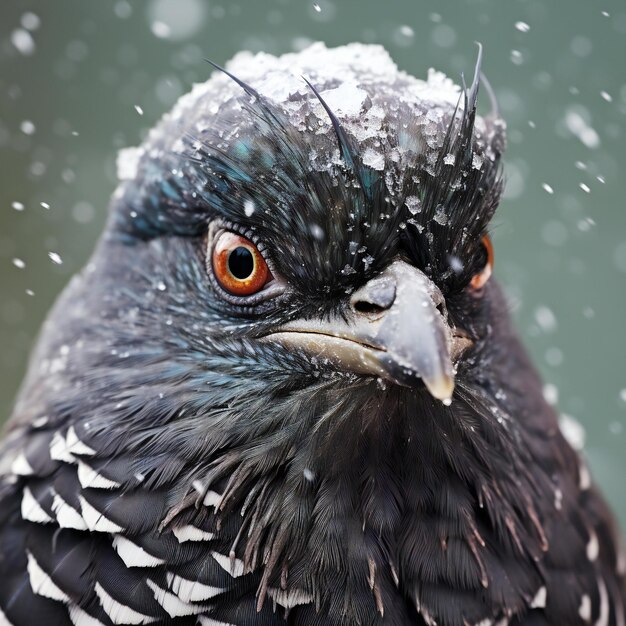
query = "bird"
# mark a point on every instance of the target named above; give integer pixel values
(286, 388)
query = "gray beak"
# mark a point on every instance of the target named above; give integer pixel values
(397, 329)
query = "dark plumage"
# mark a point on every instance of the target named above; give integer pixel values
(181, 454)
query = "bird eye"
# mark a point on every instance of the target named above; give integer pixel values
(238, 265)
(479, 280)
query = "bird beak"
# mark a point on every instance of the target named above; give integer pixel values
(397, 329)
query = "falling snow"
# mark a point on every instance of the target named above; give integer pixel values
(27, 127)
(160, 30)
(573, 431)
(545, 318)
(551, 393)
(23, 41)
(582, 129)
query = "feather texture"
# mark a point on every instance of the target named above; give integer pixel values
(165, 466)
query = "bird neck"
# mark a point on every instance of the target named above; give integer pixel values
(388, 486)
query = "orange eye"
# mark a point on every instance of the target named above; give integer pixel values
(480, 279)
(238, 265)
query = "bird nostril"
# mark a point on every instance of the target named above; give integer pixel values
(362, 306)
(443, 311)
(374, 297)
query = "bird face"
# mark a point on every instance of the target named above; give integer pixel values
(356, 253)
(395, 326)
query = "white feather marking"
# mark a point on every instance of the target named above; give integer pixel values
(503, 622)
(213, 499)
(484, 622)
(539, 601)
(67, 516)
(42, 584)
(80, 618)
(21, 466)
(75, 445)
(191, 590)
(191, 533)
(4, 621)
(32, 510)
(593, 547)
(584, 610)
(96, 521)
(120, 613)
(172, 604)
(605, 609)
(233, 566)
(89, 478)
(289, 598)
(134, 555)
(59, 451)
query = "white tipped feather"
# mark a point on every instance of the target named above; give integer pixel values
(96, 521)
(134, 555)
(32, 510)
(42, 584)
(120, 613)
(89, 478)
(67, 516)
(191, 590)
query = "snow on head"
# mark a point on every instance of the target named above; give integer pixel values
(127, 162)
(388, 112)
(351, 65)
(357, 82)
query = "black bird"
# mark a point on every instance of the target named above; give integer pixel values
(284, 389)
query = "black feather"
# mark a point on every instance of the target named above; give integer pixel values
(242, 482)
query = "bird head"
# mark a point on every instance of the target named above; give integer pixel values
(290, 318)
(300, 238)
(340, 215)
(288, 337)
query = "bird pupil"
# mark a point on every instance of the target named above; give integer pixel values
(241, 263)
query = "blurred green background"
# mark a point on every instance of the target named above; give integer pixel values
(80, 79)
